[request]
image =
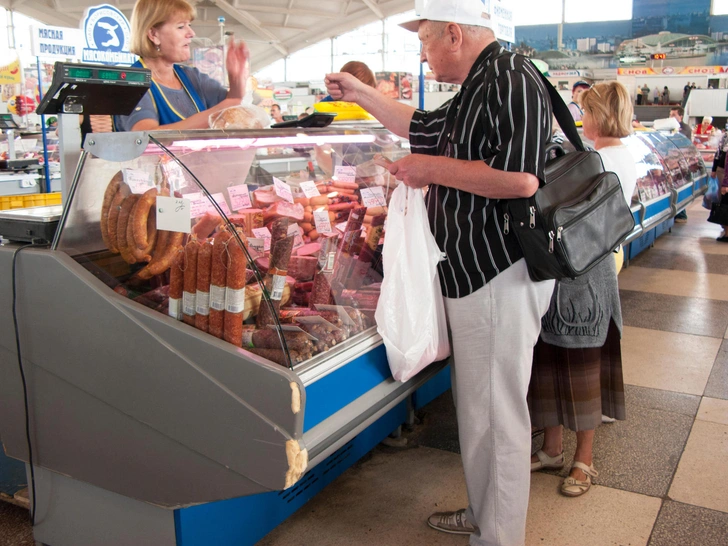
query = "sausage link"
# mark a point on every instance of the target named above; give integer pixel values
(218, 283)
(189, 296)
(121, 236)
(109, 195)
(176, 286)
(113, 219)
(204, 263)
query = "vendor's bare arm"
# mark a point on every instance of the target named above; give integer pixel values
(394, 115)
(418, 170)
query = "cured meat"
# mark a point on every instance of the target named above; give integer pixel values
(248, 219)
(301, 268)
(142, 254)
(218, 283)
(176, 286)
(206, 225)
(168, 244)
(283, 209)
(189, 296)
(269, 339)
(139, 219)
(111, 191)
(279, 356)
(366, 254)
(264, 197)
(275, 278)
(235, 294)
(204, 271)
(121, 229)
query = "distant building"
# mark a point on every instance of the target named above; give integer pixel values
(605, 47)
(586, 44)
(674, 45)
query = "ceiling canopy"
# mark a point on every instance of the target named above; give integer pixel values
(273, 28)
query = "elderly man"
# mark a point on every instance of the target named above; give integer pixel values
(483, 146)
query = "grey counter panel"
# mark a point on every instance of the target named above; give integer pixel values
(192, 420)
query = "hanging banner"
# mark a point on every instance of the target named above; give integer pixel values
(10, 71)
(108, 36)
(501, 15)
(57, 43)
(672, 70)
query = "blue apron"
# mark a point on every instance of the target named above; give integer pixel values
(166, 112)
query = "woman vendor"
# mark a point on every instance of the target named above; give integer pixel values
(180, 97)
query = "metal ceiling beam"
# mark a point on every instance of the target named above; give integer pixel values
(285, 11)
(252, 23)
(372, 6)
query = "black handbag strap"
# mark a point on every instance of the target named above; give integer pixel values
(562, 113)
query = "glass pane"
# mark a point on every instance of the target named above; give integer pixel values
(651, 177)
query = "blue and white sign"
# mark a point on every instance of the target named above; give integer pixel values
(57, 43)
(108, 36)
(501, 15)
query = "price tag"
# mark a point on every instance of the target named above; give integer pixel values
(174, 175)
(373, 197)
(283, 190)
(316, 320)
(139, 181)
(198, 204)
(173, 214)
(309, 189)
(239, 197)
(341, 227)
(293, 328)
(297, 232)
(345, 174)
(340, 310)
(220, 200)
(322, 221)
(263, 233)
(258, 244)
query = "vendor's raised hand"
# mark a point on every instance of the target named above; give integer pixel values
(237, 63)
(344, 86)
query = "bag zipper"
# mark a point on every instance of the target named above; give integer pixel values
(565, 168)
(560, 229)
(506, 223)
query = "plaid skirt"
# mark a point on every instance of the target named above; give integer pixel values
(574, 387)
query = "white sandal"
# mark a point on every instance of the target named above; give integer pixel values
(575, 488)
(545, 461)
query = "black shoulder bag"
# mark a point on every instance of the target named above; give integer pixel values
(578, 217)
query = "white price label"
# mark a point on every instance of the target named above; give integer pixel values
(139, 181)
(198, 204)
(262, 233)
(322, 221)
(259, 245)
(173, 214)
(373, 197)
(283, 190)
(297, 232)
(239, 197)
(278, 283)
(220, 200)
(309, 189)
(345, 174)
(174, 175)
(294, 328)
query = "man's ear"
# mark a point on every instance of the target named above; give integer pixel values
(454, 34)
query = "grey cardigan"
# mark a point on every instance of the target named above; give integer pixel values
(580, 309)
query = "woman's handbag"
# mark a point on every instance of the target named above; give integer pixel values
(719, 212)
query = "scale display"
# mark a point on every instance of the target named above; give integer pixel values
(92, 89)
(7, 122)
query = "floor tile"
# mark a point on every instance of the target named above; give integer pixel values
(438, 426)
(639, 454)
(694, 261)
(717, 386)
(680, 524)
(667, 361)
(714, 411)
(702, 475)
(384, 500)
(675, 313)
(675, 283)
(675, 402)
(603, 516)
(704, 245)
(15, 529)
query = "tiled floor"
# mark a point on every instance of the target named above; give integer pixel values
(663, 473)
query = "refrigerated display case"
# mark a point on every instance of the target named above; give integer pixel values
(199, 341)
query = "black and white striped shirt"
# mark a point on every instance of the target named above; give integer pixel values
(506, 122)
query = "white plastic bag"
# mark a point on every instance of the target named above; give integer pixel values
(411, 313)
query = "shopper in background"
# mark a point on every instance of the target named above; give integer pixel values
(645, 95)
(471, 156)
(705, 129)
(656, 96)
(275, 113)
(180, 97)
(723, 237)
(678, 112)
(577, 363)
(574, 106)
(360, 71)
(665, 96)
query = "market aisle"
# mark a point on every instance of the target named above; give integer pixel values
(663, 472)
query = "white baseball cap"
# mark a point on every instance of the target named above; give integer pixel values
(462, 12)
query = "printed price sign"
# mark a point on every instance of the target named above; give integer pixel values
(198, 204)
(309, 189)
(345, 174)
(239, 197)
(139, 181)
(295, 230)
(373, 197)
(283, 190)
(322, 221)
(220, 200)
(258, 244)
(173, 214)
(263, 233)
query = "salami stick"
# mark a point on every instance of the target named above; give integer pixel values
(113, 219)
(109, 195)
(204, 266)
(278, 356)
(218, 283)
(235, 294)
(275, 279)
(176, 286)
(189, 297)
(121, 235)
(269, 339)
(366, 254)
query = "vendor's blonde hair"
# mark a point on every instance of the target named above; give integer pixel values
(148, 14)
(610, 105)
